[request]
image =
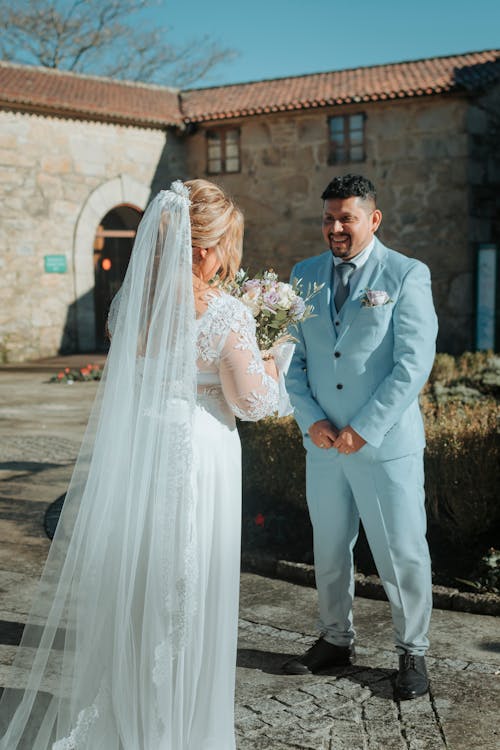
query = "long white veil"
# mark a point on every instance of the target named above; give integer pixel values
(113, 608)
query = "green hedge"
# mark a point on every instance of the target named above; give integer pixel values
(273, 460)
(461, 460)
(461, 465)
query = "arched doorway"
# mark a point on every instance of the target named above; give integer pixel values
(113, 244)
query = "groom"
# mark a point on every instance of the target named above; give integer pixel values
(354, 380)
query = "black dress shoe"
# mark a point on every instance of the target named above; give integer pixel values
(412, 679)
(322, 655)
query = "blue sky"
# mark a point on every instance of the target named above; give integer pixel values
(277, 38)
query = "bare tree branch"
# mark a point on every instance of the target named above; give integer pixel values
(102, 37)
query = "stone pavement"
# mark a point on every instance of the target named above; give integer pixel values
(348, 709)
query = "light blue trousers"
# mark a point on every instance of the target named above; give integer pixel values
(388, 496)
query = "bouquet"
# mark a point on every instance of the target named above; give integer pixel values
(275, 305)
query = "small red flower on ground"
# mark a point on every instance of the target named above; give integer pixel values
(60, 375)
(260, 520)
(66, 370)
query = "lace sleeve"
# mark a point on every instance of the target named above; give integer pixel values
(250, 392)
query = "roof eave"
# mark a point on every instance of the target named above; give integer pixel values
(290, 107)
(73, 113)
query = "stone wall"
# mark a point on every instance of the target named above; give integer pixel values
(432, 159)
(483, 179)
(58, 178)
(417, 156)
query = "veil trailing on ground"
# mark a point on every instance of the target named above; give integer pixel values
(113, 608)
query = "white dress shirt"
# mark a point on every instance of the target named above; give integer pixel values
(359, 261)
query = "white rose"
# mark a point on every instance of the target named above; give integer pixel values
(251, 299)
(286, 295)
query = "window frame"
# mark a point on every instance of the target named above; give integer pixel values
(346, 145)
(221, 132)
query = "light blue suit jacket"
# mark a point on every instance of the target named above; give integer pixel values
(368, 370)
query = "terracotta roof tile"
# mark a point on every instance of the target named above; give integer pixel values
(72, 94)
(378, 83)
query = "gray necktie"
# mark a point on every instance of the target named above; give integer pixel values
(344, 271)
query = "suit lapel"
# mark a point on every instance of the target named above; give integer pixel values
(366, 280)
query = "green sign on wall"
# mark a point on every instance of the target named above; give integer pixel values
(55, 264)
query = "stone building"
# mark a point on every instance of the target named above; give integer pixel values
(80, 157)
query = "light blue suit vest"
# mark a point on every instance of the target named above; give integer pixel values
(366, 366)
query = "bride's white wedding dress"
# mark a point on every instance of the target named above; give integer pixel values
(197, 696)
(231, 380)
(131, 640)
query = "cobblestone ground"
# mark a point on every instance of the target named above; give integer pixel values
(350, 709)
(353, 708)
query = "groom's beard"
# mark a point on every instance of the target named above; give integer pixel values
(342, 248)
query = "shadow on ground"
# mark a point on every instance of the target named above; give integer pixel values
(380, 681)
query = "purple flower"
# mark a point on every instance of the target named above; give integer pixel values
(298, 308)
(251, 284)
(271, 298)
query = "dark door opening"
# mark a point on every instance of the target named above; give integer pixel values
(112, 248)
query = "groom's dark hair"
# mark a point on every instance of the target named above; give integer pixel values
(349, 186)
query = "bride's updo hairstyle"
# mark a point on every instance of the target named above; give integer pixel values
(216, 222)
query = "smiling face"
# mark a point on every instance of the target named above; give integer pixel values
(349, 225)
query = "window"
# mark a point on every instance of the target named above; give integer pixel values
(223, 150)
(347, 138)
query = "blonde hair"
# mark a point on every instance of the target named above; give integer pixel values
(216, 222)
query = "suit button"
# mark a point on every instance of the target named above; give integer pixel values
(337, 354)
(339, 386)
(337, 322)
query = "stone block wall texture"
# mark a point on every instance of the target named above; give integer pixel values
(435, 162)
(417, 156)
(49, 170)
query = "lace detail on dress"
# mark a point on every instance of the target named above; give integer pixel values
(163, 658)
(211, 325)
(224, 313)
(87, 717)
(178, 593)
(226, 342)
(259, 405)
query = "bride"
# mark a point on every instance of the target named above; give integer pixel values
(131, 640)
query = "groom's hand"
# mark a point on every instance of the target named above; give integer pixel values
(322, 433)
(348, 441)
